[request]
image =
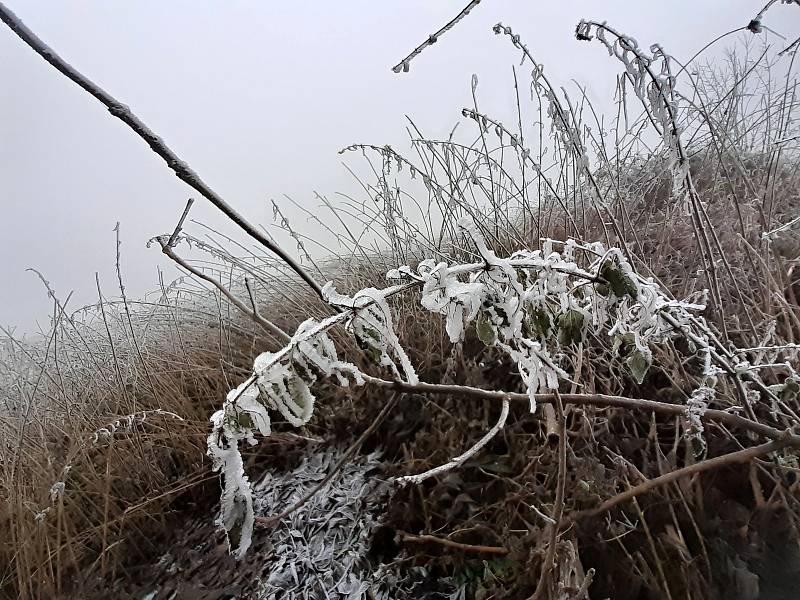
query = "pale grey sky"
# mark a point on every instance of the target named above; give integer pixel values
(258, 97)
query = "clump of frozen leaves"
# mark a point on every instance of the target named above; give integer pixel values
(534, 306)
(281, 382)
(321, 550)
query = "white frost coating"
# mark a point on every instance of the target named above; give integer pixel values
(443, 293)
(533, 306)
(236, 503)
(280, 382)
(462, 458)
(536, 367)
(372, 326)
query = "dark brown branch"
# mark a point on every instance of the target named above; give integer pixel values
(602, 400)
(432, 539)
(741, 456)
(157, 145)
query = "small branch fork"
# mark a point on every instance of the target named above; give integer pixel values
(167, 247)
(157, 145)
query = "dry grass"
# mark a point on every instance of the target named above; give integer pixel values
(183, 352)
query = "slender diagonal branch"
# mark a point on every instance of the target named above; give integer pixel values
(433, 539)
(403, 65)
(731, 458)
(157, 145)
(269, 326)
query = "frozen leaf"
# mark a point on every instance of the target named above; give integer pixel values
(571, 327)
(537, 322)
(639, 363)
(485, 330)
(618, 282)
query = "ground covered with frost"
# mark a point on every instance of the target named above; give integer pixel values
(323, 550)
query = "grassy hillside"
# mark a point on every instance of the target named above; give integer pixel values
(694, 179)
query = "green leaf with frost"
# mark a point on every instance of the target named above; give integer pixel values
(638, 363)
(297, 390)
(623, 342)
(616, 281)
(368, 340)
(537, 322)
(244, 420)
(570, 327)
(484, 329)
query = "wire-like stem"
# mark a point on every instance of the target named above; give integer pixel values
(403, 65)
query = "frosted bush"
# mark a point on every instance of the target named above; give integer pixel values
(532, 306)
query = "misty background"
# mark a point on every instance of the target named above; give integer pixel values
(258, 97)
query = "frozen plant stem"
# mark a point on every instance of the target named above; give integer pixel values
(598, 400)
(549, 560)
(403, 65)
(157, 145)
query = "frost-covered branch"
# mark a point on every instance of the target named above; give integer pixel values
(531, 306)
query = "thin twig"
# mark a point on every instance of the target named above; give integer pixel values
(558, 509)
(173, 239)
(432, 539)
(403, 65)
(252, 295)
(124, 114)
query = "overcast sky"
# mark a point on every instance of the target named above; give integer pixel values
(257, 97)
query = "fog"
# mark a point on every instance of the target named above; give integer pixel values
(258, 97)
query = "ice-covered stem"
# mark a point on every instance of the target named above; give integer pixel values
(656, 93)
(404, 65)
(462, 458)
(563, 123)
